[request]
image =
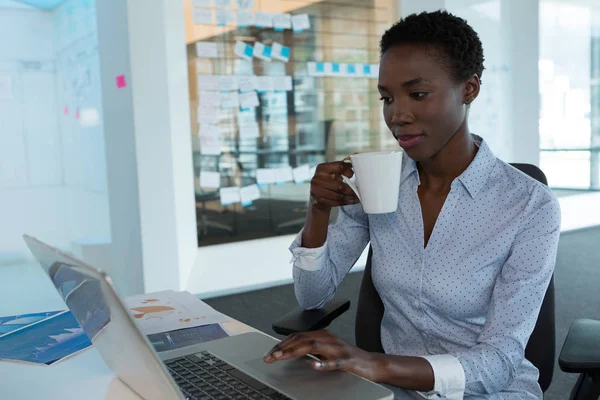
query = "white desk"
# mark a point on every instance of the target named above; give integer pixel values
(84, 376)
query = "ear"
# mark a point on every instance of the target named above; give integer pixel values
(471, 89)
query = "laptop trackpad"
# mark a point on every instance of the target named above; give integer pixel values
(292, 371)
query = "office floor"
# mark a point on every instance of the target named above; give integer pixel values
(577, 282)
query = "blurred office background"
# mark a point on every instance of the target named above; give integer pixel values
(104, 147)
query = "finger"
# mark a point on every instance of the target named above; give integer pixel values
(348, 201)
(335, 167)
(328, 183)
(323, 193)
(328, 350)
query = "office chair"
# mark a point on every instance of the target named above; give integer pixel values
(580, 352)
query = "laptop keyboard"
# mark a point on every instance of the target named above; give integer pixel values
(205, 376)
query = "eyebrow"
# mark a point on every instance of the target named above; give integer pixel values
(406, 84)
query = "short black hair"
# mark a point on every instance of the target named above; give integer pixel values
(460, 45)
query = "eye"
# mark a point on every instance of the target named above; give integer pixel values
(419, 95)
(386, 100)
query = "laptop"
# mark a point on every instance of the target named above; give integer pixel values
(227, 368)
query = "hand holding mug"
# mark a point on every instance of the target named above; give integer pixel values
(327, 187)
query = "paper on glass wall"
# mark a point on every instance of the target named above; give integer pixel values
(210, 180)
(210, 139)
(206, 49)
(249, 100)
(264, 176)
(243, 50)
(249, 131)
(229, 195)
(300, 22)
(246, 117)
(245, 18)
(208, 115)
(261, 51)
(227, 83)
(284, 174)
(209, 99)
(229, 100)
(203, 16)
(249, 194)
(313, 170)
(374, 71)
(282, 83)
(245, 3)
(246, 83)
(263, 20)
(223, 3)
(208, 82)
(302, 173)
(282, 21)
(280, 52)
(223, 17)
(264, 84)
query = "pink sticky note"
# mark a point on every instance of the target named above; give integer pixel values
(121, 82)
(77, 114)
(66, 111)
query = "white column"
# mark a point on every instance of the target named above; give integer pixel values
(148, 143)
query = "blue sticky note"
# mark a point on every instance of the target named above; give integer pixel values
(247, 203)
(367, 69)
(242, 26)
(267, 51)
(335, 68)
(320, 67)
(245, 109)
(285, 52)
(351, 69)
(278, 29)
(248, 51)
(261, 185)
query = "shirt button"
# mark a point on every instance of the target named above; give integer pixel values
(417, 303)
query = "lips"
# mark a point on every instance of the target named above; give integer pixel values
(409, 141)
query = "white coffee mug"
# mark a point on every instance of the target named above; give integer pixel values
(376, 180)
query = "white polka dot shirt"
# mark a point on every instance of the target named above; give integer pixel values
(472, 294)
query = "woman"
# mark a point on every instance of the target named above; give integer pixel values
(463, 264)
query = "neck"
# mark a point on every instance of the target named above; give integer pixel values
(450, 162)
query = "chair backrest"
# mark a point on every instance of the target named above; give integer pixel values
(540, 349)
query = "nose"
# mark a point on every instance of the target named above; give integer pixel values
(402, 115)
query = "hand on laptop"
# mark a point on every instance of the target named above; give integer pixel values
(334, 353)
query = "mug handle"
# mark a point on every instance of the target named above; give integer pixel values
(348, 182)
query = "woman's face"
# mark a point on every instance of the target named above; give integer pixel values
(422, 104)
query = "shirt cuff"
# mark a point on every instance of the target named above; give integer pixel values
(307, 259)
(449, 377)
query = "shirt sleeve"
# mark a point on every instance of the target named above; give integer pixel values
(319, 271)
(492, 364)
(449, 378)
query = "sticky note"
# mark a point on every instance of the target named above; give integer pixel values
(300, 22)
(76, 114)
(208, 115)
(246, 117)
(280, 52)
(223, 3)
(201, 3)
(206, 49)
(249, 194)
(264, 84)
(249, 131)
(282, 21)
(313, 170)
(209, 99)
(282, 83)
(283, 175)
(203, 16)
(245, 18)
(374, 70)
(227, 83)
(335, 68)
(230, 100)
(208, 82)
(320, 67)
(223, 17)
(249, 100)
(229, 195)
(367, 70)
(65, 110)
(210, 139)
(121, 82)
(261, 51)
(245, 3)
(89, 117)
(264, 20)
(265, 176)
(301, 173)
(350, 69)
(246, 83)
(210, 180)
(243, 50)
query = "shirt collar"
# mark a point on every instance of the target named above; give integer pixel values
(473, 178)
